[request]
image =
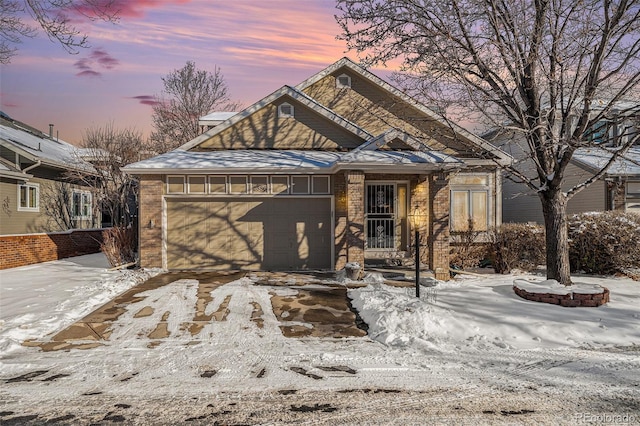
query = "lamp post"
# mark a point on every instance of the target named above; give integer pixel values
(415, 219)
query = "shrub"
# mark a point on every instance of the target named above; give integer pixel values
(604, 242)
(467, 250)
(119, 245)
(517, 246)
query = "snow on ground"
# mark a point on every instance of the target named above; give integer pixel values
(39, 299)
(468, 352)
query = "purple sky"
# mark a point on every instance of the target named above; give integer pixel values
(259, 46)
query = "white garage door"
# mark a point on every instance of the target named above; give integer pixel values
(254, 234)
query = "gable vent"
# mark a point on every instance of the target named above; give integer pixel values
(343, 81)
(285, 110)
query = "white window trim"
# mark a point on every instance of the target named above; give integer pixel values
(313, 189)
(469, 192)
(246, 186)
(341, 85)
(35, 208)
(183, 184)
(287, 191)
(226, 184)
(252, 183)
(292, 185)
(206, 183)
(82, 194)
(283, 114)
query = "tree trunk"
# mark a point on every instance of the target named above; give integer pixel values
(554, 208)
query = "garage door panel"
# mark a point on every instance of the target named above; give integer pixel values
(275, 233)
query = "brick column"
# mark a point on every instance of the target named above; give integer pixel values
(150, 221)
(420, 205)
(340, 225)
(439, 236)
(355, 233)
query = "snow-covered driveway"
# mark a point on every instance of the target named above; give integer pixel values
(469, 352)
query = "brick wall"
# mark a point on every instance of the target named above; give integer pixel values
(340, 192)
(150, 221)
(439, 236)
(355, 233)
(21, 250)
(419, 204)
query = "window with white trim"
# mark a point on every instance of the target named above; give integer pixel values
(81, 205)
(300, 184)
(343, 81)
(29, 197)
(175, 185)
(197, 184)
(469, 207)
(285, 110)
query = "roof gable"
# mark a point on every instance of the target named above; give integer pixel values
(375, 105)
(258, 127)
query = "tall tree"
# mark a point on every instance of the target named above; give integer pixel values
(552, 70)
(189, 93)
(57, 18)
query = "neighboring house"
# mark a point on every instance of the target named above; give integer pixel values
(619, 189)
(36, 165)
(314, 176)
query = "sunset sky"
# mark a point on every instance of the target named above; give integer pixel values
(259, 46)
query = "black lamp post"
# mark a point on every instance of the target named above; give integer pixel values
(415, 220)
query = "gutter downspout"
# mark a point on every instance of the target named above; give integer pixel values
(33, 166)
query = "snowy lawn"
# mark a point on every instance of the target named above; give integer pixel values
(470, 351)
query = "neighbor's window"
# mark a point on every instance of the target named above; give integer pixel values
(81, 205)
(469, 206)
(28, 195)
(599, 132)
(285, 110)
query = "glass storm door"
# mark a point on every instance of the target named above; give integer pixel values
(381, 216)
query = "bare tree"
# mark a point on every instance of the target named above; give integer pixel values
(54, 17)
(551, 69)
(189, 93)
(108, 149)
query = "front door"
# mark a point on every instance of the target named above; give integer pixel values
(381, 216)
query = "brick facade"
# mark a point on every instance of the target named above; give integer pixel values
(355, 233)
(21, 250)
(150, 221)
(439, 235)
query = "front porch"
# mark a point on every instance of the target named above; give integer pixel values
(372, 219)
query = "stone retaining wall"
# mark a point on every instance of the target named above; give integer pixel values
(572, 300)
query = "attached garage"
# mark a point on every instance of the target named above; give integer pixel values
(268, 233)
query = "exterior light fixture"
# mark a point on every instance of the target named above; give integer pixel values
(416, 220)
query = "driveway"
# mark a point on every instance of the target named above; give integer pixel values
(302, 306)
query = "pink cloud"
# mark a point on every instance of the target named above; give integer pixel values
(89, 73)
(98, 57)
(147, 100)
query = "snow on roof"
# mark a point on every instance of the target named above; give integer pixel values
(596, 158)
(54, 152)
(218, 116)
(287, 160)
